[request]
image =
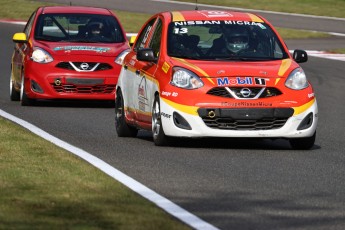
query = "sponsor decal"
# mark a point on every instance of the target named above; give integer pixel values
(165, 67)
(310, 95)
(247, 104)
(218, 22)
(165, 115)
(214, 14)
(82, 48)
(245, 23)
(173, 94)
(241, 81)
(142, 94)
(142, 106)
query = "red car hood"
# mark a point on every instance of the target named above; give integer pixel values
(94, 49)
(267, 69)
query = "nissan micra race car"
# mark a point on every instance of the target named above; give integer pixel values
(67, 52)
(214, 74)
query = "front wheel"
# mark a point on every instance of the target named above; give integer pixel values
(14, 94)
(25, 101)
(159, 137)
(122, 128)
(303, 143)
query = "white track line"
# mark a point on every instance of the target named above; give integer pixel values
(327, 55)
(167, 205)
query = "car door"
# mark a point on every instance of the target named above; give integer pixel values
(146, 82)
(138, 73)
(20, 50)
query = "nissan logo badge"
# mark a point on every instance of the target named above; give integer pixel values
(84, 66)
(245, 92)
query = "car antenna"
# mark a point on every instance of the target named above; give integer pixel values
(196, 4)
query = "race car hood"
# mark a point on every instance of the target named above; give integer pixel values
(267, 69)
(93, 49)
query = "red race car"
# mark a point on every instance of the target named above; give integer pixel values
(67, 52)
(214, 74)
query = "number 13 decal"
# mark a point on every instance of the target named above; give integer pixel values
(181, 30)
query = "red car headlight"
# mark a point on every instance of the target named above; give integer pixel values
(41, 56)
(186, 79)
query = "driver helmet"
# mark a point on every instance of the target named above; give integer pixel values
(236, 38)
(95, 28)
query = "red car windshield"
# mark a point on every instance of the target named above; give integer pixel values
(78, 28)
(224, 40)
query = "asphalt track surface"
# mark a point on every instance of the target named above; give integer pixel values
(230, 183)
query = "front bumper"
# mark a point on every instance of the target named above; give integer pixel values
(291, 127)
(49, 82)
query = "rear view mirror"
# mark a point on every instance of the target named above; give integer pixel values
(300, 56)
(19, 38)
(146, 55)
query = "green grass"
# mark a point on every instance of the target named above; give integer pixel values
(45, 187)
(333, 8)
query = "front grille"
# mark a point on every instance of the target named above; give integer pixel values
(235, 92)
(84, 66)
(95, 89)
(219, 91)
(245, 119)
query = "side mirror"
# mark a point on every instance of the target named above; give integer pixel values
(132, 40)
(146, 55)
(19, 38)
(300, 56)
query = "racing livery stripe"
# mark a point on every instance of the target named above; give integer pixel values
(302, 108)
(286, 63)
(277, 80)
(193, 110)
(133, 110)
(254, 18)
(144, 74)
(177, 16)
(195, 68)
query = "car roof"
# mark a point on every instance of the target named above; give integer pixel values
(213, 15)
(74, 9)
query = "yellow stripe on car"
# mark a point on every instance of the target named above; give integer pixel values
(195, 68)
(286, 63)
(255, 18)
(193, 110)
(301, 109)
(177, 16)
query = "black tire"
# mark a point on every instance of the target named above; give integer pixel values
(303, 143)
(122, 128)
(159, 137)
(14, 95)
(25, 101)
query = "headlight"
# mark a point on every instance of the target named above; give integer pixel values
(297, 80)
(185, 79)
(121, 57)
(41, 56)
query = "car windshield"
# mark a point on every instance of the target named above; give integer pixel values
(90, 28)
(224, 40)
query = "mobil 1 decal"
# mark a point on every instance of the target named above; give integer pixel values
(240, 81)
